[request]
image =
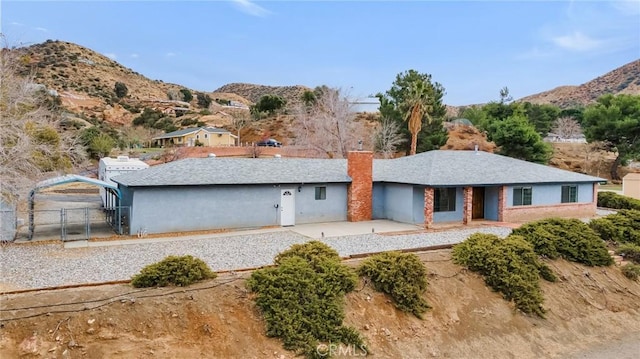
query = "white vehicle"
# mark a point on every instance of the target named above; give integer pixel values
(111, 167)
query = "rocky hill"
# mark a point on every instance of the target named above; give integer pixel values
(254, 92)
(623, 80)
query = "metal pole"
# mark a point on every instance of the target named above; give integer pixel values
(63, 221)
(87, 222)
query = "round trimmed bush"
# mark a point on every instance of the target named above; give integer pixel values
(621, 227)
(570, 239)
(302, 298)
(401, 276)
(509, 266)
(617, 201)
(174, 270)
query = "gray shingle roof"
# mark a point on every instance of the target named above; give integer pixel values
(208, 171)
(434, 168)
(449, 168)
(186, 131)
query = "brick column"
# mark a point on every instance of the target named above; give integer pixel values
(595, 193)
(467, 207)
(360, 192)
(502, 202)
(428, 207)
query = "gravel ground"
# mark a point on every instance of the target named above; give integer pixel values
(36, 266)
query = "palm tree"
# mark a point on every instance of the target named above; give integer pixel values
(417, 107)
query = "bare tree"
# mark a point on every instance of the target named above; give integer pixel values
(387, 138)
(327, 127)
(31, 144)
(240, 121)
(566, 127)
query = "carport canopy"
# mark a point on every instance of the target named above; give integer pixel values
(63, 180)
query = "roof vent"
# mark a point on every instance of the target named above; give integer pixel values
(211, 155)
(277, 155)
(476, 149)
(123, 158)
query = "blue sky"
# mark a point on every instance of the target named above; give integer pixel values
(472, 48)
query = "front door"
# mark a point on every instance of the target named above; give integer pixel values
(477, 211)
(287, 207)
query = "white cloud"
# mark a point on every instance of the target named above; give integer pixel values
(170, 54)
(251, 8)
(535, 53)
(627, 7)
(15, 23)
(577, 41)
(41, 29)
(111, 55)
(135, 56)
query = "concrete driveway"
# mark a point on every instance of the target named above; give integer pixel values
(337, 229)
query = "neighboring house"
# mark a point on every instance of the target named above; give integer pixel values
(207, 136)
(431, 187)
(631, 185)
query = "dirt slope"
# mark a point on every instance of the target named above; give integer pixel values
(623, 80)
(218, 319)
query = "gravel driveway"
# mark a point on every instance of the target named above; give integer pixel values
(35, 266)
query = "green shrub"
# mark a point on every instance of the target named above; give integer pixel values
(509, 266)
(631, 271)
(313, 252)
(570, 239)
(617, 201)
(173, 270)
(630, 252)
(302, 298)
(400, 275)
(621, 227)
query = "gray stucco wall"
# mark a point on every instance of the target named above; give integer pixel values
(398, 199)
(491, 203)
(378, 201)
(549, 194)
(332, 209)
(418, 204)
(175, 209)
(452, 216)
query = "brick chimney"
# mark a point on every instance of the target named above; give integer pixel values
(360, 192)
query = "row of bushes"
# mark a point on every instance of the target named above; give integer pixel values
(302, 296)
(512, 266)
(616, 201)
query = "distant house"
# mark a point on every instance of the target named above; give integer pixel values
(552, 137)
(431, 187)
(631, 185)
(206, 136)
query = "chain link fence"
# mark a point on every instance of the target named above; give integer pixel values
(70, 224)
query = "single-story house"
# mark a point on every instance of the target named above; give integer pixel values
(207, 136)
(427, 188)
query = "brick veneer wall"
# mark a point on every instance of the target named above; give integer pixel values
(467, 205)
(360, 193)
(532, 213)
(428, 207)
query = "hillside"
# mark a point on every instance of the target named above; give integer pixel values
(623, 80)
(253, 92)
(588, 311)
